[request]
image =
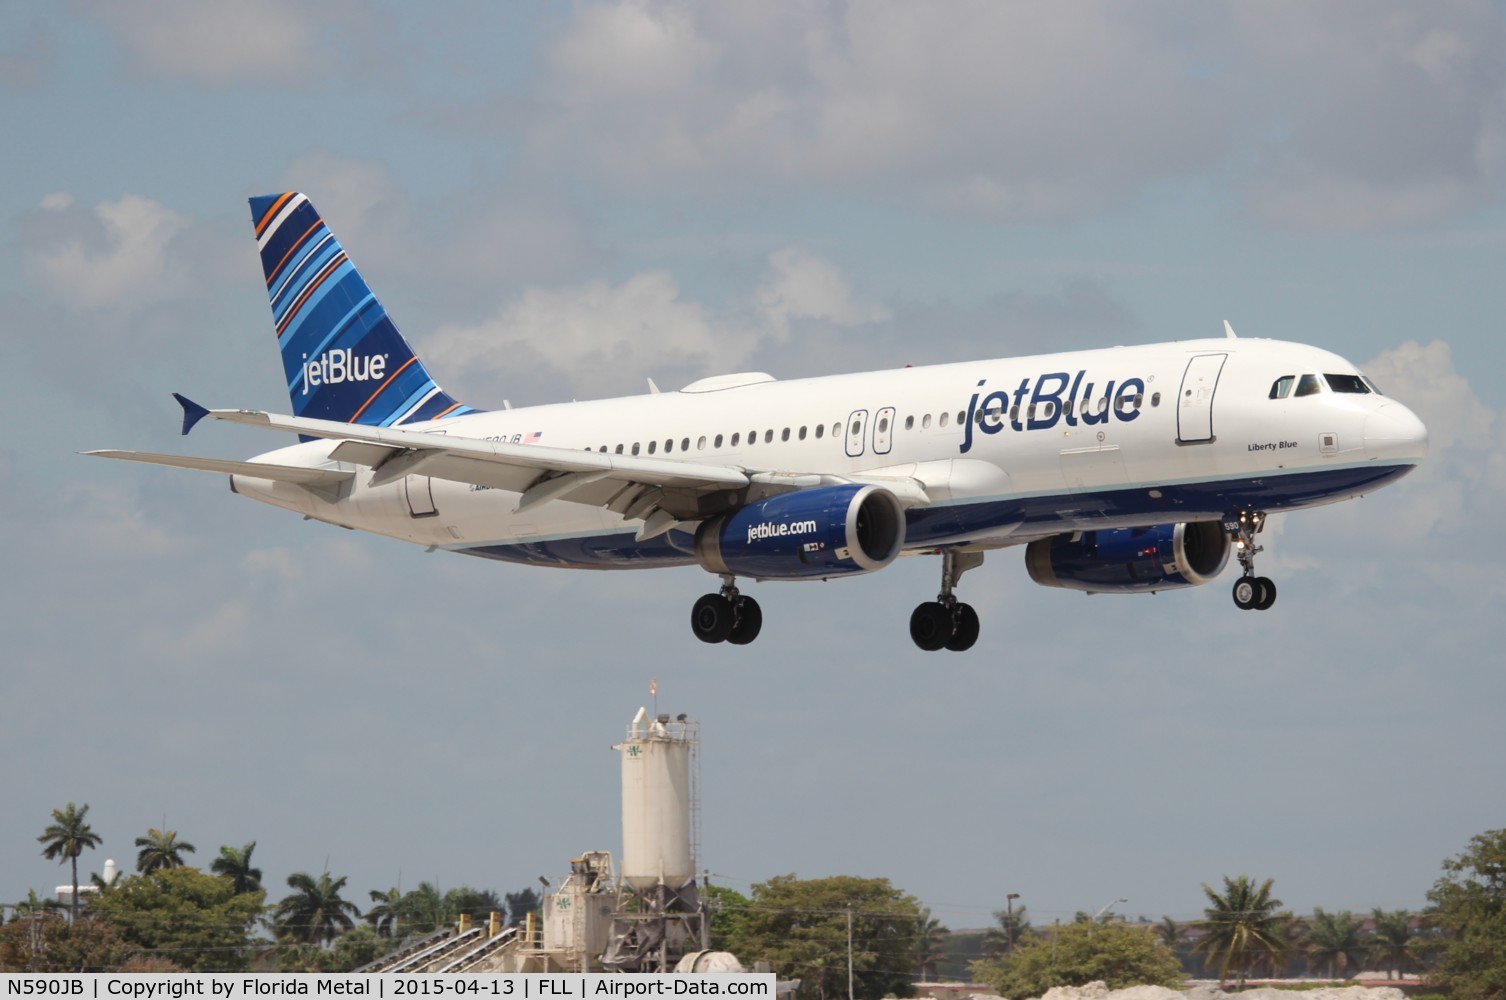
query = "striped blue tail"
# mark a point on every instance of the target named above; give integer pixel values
(342, 355)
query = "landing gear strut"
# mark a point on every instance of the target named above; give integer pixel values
(946, 623)
(1250, 591)
(726, 616)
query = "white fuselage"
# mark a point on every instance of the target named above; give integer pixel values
(1007, 450)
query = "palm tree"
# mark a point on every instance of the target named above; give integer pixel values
(66, 838)
(1243, 927)
(930, 934)
(236, 866)
(384, 916)
(161, 849)
(425, 909)
(1333, 940)
(1389, 943)
(996, 939)
(314, 912)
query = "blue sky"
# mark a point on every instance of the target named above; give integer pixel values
(559, 201)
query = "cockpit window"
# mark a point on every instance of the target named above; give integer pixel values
(1371, 383)
(1282, 387)
(1308, 385)
(1346, 383)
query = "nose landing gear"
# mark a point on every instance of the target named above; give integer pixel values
(946, 623)
(726, 616)
(1251, 592)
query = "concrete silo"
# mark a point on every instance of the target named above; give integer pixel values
(657, 838)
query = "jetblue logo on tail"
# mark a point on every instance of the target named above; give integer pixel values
(340, 365)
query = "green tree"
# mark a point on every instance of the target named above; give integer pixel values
(520, 904)
(1390, 942)
(1243, 927)
(314, 911)
(42, 941)
(1079, 953)
(384, 916)
(729, 913)
(236, 866)
(996, 939)
(351, 950)
(930, 936)
(65, 839)
(800, 927)
(181, 914)
(160, 849)
(1470, 902)
(1335, 942)
(425, 909)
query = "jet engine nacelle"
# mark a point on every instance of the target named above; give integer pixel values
(825, 531)
(1130, 560)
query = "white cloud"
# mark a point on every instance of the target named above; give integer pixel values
(118, 255)
(266, 41)
(600, 335)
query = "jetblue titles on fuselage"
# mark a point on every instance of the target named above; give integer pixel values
(1055, 397)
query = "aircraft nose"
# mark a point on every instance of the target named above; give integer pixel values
(1394, 432)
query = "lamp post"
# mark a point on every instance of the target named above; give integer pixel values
(1106, 908)
(1009, 931)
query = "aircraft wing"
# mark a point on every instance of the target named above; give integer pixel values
(630, 485)
(326, 482)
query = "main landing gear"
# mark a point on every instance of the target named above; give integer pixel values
(726, 616)
(1250, 591)
(946, 623)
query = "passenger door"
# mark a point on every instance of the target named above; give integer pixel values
(1195, 400)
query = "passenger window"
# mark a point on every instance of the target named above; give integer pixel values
(941, 421)
(652, 447)
(1346, 383)
(752, 437)
(1067, 407)
(669, 445)
(735, 438)
(619, 449)
(1309, 385)
(883, 425)
(910, 423)
(1014, 413)
(962, 416)
(978, 417)
(700, 444)
(802, 433)
(784, 435)
(685, 444)
(603, 449)
(836, 429)
(1155, 399)
(1282, 387)
(718, 442)
(820, 429)
(857, 429)
(925, 422)
(635, 447)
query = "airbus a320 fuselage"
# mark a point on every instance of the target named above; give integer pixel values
(1126, 470)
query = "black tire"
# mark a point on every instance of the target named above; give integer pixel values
(1247, 591)
(749, 622)
(964, 629)
(1267, 593)
(931, 626)
(712, 618)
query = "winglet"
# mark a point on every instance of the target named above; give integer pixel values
(192, 412)
(1229, 331)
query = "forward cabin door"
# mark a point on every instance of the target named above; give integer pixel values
(1195, 401)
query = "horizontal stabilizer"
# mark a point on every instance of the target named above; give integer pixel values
(321, 479)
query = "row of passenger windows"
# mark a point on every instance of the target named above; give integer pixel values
(1035, 411)
(1311, 385)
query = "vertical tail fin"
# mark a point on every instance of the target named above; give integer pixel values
(342, 355)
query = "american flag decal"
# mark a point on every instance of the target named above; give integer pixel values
(533, 437)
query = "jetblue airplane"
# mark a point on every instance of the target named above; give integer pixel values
(1127, 470)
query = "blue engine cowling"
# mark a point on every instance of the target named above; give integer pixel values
(1130, 560)
(825, 531)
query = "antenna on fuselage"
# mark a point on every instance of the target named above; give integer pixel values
(1229, 331)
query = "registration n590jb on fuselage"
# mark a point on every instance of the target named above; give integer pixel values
(1126, 470)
